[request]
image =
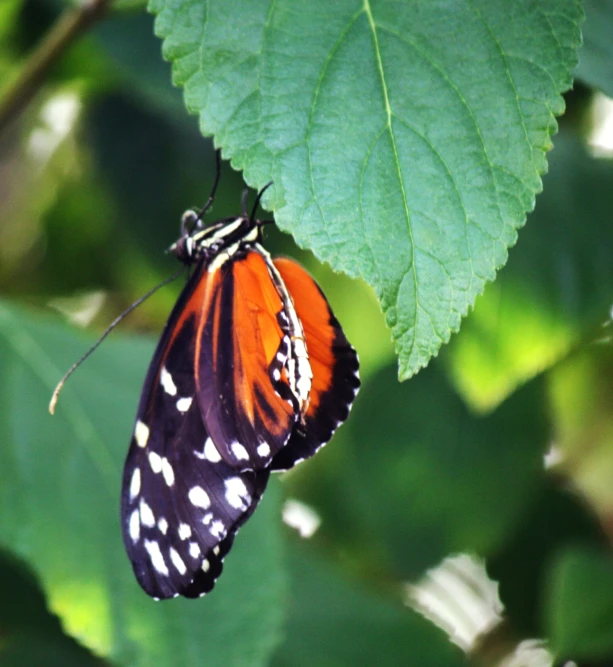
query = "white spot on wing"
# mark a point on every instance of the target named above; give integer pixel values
(194, 549)
(155, 461)
(157, 560)
(135, 484)
(177, 561)
(163, 526)
(141, 433)
(207, 518)
(263, 449)
(300, 348)
(239, 451)
(236, 493)
(184, 404)
(217, 529)
(199, 497)
(134, 526)
(146, 515)
(168, 472)
(305, 375)
(211, 452)
(167, 382)
(206, 565)
(185, 531)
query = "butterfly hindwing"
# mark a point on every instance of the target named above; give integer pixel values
(334, 365)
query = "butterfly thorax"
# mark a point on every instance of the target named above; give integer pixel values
(218, 241)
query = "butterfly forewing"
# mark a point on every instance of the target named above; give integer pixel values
(181, 502)
(248, 409)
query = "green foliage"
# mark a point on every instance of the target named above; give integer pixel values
(331, 622)
(60, 476)
(580, 604)
(553, 291)
(406, 142)
(596, 61)
(431, 183)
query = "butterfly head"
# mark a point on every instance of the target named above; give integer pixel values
(197, 241)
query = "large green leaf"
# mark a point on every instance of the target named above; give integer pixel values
(334, 622)
(405, 140)
(59, 494)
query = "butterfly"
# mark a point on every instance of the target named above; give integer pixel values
(252, 375)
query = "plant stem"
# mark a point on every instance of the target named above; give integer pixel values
(71, 25)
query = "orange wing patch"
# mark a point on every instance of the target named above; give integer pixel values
(334, 364)
(257, 339)
(248, 414)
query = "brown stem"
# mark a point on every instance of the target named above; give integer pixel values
(68, 27)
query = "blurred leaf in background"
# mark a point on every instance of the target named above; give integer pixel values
(406, 142)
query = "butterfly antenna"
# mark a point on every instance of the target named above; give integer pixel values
(258, 199)
(211, 198)
(107, 331)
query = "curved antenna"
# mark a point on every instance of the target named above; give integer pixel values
(198, 217)
(107, 331)
(257, 201)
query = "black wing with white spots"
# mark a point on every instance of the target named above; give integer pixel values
(181, 502)
(252, 374)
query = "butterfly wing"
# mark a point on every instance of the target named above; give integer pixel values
(218, 412)
(181, 502)
(334, 365)
(248, 406)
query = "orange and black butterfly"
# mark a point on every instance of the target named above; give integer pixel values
(252, 375)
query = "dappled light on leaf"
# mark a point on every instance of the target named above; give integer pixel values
(555, 291)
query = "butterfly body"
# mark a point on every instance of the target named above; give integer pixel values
(252, 374)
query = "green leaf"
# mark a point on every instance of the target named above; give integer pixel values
(579, 604)
(405, 140)
(59, 493)
(596, 57)
(556, 288)
(581, 391)
(333, 622)
(419, 477)
(557, 518)
(134, 52)
(30, 634)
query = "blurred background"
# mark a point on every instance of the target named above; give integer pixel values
(463, 515)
